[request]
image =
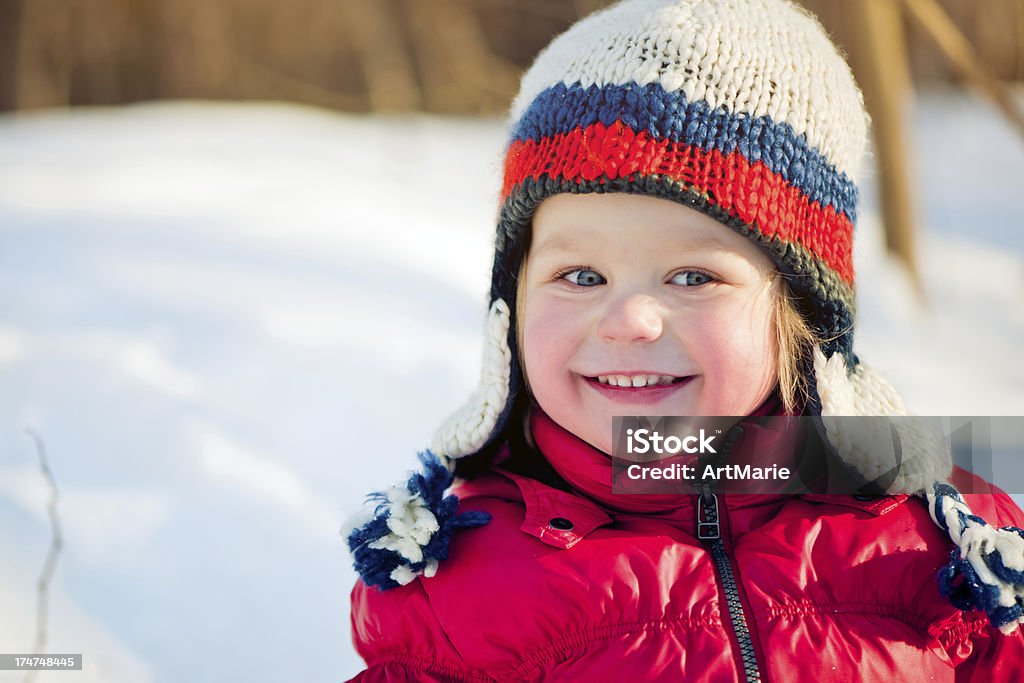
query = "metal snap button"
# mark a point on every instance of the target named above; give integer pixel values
(560, 523)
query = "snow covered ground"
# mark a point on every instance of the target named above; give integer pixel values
(229, 322)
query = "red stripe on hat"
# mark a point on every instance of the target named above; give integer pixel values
(748, 191)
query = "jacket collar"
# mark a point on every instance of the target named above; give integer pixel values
(562, 518)
(558, 518)
(589, 471)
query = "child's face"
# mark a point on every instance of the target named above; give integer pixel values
(631, 285)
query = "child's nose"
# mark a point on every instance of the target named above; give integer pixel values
(633, 318)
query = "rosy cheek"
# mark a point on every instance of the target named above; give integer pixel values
(545, 331)
(750, 348)
(733, 341)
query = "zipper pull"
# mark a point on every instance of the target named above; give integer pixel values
(707, 502)
(707, 515)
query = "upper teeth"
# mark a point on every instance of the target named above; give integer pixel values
(634, 380)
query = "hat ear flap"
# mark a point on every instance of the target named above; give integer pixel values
(468, 429)
(856, 390)
(896, 455)
(408, 531)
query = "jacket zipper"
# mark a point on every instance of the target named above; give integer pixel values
(709, 531)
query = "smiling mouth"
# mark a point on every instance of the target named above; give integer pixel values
(637, 381)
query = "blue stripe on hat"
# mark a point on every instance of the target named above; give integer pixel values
(561, 108)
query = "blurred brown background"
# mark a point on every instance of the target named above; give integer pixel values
(444, 56)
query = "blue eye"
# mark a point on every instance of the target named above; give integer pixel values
(584, 277)
(692, 278)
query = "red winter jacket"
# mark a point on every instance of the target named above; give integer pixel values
(584, 585)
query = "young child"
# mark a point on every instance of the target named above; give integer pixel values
(675, 239)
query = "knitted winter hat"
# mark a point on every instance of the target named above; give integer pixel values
(741, 109)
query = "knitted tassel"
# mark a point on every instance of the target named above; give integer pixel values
(986, 569)
(407, 533)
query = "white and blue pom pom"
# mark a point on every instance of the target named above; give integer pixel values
(986, 569)
(407, 533)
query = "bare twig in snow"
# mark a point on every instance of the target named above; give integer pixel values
(56, 544)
